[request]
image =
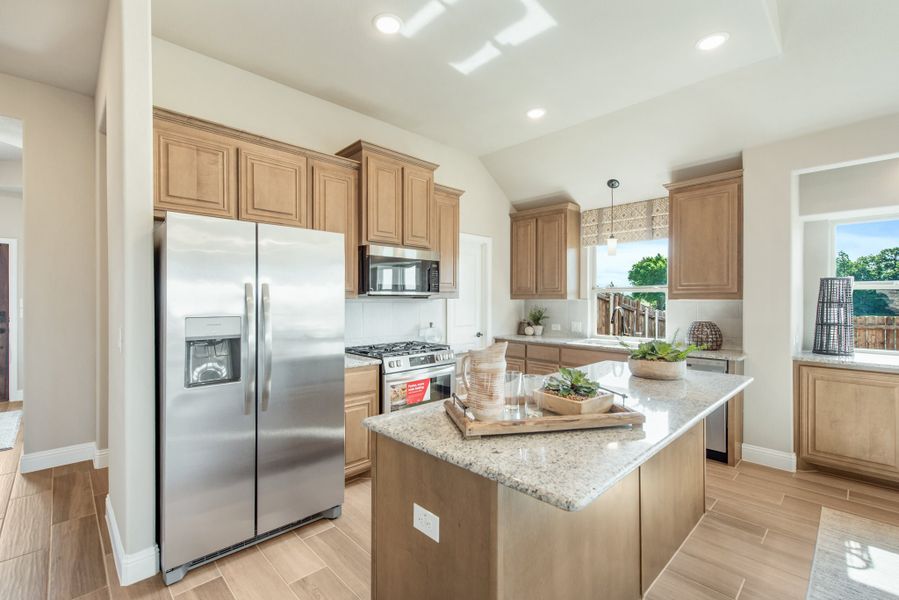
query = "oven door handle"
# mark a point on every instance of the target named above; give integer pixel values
(415, 375)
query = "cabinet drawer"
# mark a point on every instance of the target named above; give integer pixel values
(543, 353)
(537, 367)
(360, 380)
(515, 364)
(578, 357)
(515, 350)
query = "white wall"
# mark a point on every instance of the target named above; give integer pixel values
(772, 298)
(58, 266)
(197, 85)
(562, 313)
(726, 314)
(873, 185)
(124, 95)
(817, 262)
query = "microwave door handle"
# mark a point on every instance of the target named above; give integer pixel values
(266, 347)
(249, 368)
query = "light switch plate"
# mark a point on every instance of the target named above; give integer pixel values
(556, 327)
(426, 522)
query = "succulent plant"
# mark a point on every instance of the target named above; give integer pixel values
(661, 350)
(572, 382)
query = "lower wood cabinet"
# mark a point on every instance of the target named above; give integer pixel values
(578, 357)
(360, 402)
(544, 359)
(848, 420)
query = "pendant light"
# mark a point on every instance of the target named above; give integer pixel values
(612, 242)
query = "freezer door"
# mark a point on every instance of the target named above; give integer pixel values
(301, 363)
(206, 277)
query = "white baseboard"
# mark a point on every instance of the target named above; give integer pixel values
(101, 458)
(130, 568)
(776, 459)
(57, 457)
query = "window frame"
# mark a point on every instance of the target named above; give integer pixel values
(860, 284)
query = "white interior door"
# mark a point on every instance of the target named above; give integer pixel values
(468, 317)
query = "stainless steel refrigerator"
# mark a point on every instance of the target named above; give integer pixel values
(250, 321)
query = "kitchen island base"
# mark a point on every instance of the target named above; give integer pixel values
(496, 543)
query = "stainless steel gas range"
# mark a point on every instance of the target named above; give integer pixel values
(412, 373)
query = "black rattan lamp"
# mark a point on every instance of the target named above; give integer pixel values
(834, 327)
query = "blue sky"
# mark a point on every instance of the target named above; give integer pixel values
(614, 268)
(861, 239)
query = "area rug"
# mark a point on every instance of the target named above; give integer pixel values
(855, 559)
(9, 428)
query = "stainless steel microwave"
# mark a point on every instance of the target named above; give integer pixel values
(391, 271)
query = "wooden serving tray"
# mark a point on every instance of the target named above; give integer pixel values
(470, 428)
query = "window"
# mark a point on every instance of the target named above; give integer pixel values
(631, 289)
(869, 252)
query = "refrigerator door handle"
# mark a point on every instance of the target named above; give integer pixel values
(266, 347)
(250, 388)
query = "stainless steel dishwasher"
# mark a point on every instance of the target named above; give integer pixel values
(715, 423)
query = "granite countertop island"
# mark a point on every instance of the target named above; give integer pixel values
(570, 469)
(611, 345)
(592, 513)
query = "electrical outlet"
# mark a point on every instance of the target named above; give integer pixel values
(556, 327)
(576, 326)
(426, 522)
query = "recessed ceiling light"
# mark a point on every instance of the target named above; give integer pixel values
(710, 42)
(536, 113)
(388, 24)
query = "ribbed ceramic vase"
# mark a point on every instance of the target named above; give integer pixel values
(484, 378)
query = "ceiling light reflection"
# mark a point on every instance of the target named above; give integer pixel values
(480, 58)
(421, 19)
(535, 21)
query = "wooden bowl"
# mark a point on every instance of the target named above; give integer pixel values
(657, 369)
(601, 403)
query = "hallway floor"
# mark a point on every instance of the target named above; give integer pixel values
(755, 542)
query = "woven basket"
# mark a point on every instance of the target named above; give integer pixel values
(706, 334)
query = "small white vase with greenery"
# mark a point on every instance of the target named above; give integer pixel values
(536, 316)
(658, 359)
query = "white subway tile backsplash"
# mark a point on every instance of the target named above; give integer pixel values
(381, 320)
(727, 314)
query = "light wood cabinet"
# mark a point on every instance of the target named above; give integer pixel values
(360, 402)
(446, 238)
(705, 242)
(849, 420)
(578, 357)
(195, 170)
(524, 257)
(545, 252)
(334, 209)
(273, 187)
(396, 196)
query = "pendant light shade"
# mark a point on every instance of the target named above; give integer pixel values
(612, 242)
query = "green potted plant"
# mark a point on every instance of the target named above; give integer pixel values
(571, 392)
(536, 316)
(658, 359)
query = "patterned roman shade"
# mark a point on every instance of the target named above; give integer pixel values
(646, 220)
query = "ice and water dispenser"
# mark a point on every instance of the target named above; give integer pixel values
(212, 345)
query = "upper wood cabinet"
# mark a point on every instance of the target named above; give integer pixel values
(546, 252)
(849, 420)
(446, 238)
(195, 170)
(273, 187)
(705, 239)
(334, 209)
(396, 197)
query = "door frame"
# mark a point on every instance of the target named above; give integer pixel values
(487, 242)
(15, 393)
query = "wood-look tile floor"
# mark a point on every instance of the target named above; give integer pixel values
(755, 542)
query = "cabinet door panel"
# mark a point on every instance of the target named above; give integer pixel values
(551, 258)
(850, 420)
(195, 171)
(384, 201)
(273, 187)
(536, 367)
(334, 209)
(447, 242)
(357, 441)
(706, 242)
(418, 207)
(524, 258)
